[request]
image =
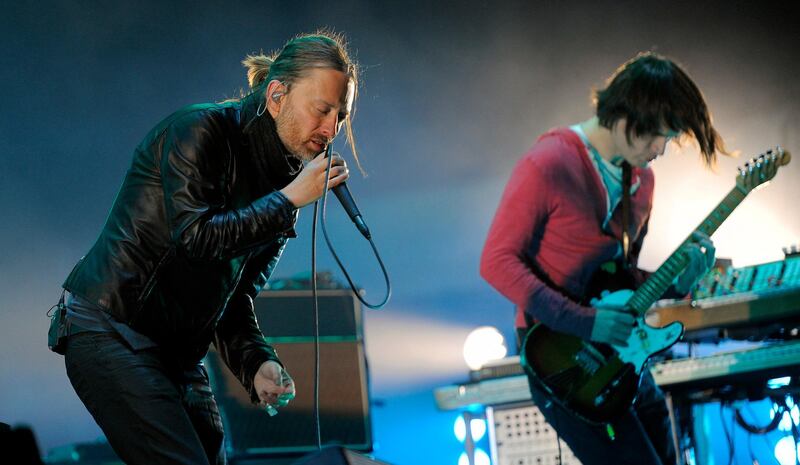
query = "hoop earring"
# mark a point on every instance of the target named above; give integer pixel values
(259, 111)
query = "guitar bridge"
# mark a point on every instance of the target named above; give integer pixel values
(589, 359)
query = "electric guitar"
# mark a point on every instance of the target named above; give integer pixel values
(598, 382)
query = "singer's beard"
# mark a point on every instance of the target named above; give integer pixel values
(289, 133)
(272, 164)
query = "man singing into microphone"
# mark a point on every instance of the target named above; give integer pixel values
(197, 227)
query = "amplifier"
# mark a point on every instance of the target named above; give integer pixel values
(286, 319)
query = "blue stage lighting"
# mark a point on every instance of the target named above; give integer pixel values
(460, 429)
(785, 450)
(775, 383)
(481, 457)
(478, 429)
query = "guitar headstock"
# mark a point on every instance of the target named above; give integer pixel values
(761, 169)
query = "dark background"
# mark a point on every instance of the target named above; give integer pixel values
(452, 94)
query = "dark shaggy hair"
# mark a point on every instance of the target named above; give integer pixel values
(652, 93)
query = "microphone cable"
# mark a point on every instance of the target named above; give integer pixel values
(317, 427)
(315, 297)
(323, 223)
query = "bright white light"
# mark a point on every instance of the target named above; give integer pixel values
(789, 417)
(481, 457)
(482, 345)
(785, 450)
(478, 429)
(460, 429)
(786, 422)
(775, 383)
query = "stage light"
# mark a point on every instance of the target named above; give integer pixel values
(477, 428)
(460, 429)
(792, 415)
(483, 345)
(481, 457)
(776, 383)
(785, 450)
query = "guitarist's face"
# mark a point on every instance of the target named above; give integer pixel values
(641, 149)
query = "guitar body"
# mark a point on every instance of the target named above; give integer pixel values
(556, 362)
(597, 382)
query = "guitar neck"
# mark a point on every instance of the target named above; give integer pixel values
(658, 282)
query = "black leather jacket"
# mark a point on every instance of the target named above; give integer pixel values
(195, 231)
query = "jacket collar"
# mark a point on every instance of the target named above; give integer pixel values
(270, 157)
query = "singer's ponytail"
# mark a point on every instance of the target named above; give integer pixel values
(257, 68)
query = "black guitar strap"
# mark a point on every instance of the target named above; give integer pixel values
(626, 214)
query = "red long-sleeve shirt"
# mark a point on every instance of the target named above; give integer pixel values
(550, 218)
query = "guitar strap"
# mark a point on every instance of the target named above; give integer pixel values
(626, 214)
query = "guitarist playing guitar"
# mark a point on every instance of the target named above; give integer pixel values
(576, 204)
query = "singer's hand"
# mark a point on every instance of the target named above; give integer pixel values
(273, 384)
(308, 186)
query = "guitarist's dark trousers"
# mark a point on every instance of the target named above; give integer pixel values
(642, 436)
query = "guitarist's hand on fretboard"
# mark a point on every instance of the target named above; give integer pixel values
(612, 322)
(700, 253)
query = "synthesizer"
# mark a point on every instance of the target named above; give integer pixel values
(748, 366)
(752, 302)
(754, 365)
(485, 392)
(733, 316)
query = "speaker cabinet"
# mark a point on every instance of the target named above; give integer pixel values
(286, 319)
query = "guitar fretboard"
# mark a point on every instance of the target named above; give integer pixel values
(660, 280)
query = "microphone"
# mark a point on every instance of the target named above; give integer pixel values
(349, 205)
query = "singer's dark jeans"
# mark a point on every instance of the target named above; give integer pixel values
(643, 433)
(151, 411)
